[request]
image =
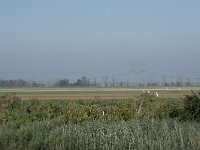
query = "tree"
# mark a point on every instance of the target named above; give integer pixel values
(82, 82)
(63, 83)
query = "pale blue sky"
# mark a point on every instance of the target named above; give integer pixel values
(48, 39)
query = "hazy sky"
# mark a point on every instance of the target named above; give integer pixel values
(48, 39)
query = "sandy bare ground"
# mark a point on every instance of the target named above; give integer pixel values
(92, 96)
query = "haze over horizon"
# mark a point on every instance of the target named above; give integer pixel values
(47, 40)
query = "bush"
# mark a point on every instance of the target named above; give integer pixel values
(17, 112)
(191, 110)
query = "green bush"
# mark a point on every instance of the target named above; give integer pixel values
(13, 109)
(191, 110)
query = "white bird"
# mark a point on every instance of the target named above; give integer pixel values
(149, 92)
(103, 113)
(157, 94)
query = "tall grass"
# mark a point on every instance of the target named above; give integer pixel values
(140, 134)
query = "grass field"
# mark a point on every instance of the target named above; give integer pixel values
(92, 93)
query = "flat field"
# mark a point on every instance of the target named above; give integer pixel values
(94, 93)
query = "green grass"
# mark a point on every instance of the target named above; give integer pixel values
(96, 92)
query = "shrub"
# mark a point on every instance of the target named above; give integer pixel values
(191, 110)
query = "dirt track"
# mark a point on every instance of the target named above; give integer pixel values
(92, 96)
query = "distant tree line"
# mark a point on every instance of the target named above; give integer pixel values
(28, 84)
(19, 84)
(106, 82)
(80, 82)
(85, 82)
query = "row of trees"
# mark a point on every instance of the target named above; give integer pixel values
(80, 82)
(115, 83)
(19, 83)
(28, 84)
(84, 81)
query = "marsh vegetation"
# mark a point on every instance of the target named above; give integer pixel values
(145, 122)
